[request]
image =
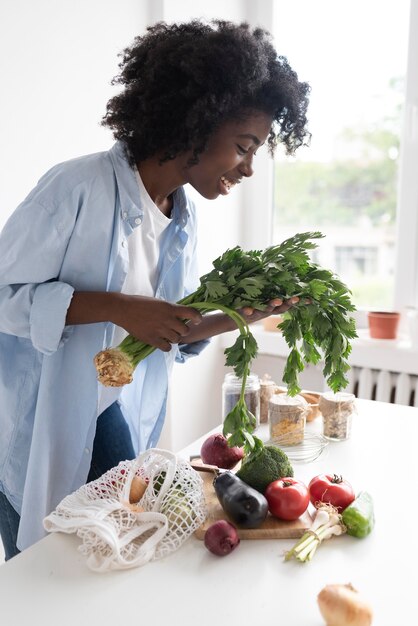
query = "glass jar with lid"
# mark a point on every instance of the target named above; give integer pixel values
(231, 390)
(287, 419)
(337, 413)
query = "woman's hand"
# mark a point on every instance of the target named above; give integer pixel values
(153, 321)
(156, 322)
(217, 323)
(275, 307)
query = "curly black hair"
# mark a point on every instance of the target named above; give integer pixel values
(181, 81)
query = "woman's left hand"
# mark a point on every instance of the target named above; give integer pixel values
(275, 307)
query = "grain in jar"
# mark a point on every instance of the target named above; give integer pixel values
(231, 390)
(287, 419)
(337, 413)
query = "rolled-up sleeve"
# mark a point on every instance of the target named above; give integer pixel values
(33, 301)
(187, 350)
(47, 316)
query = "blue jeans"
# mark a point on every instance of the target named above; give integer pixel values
(112, 444)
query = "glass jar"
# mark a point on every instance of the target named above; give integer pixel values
(267, 389)
(337, 413)
(231, 390)
(287, 419)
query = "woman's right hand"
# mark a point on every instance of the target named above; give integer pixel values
(156, 322)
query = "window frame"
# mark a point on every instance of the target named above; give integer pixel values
(406, 264)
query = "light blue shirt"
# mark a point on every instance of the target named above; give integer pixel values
(70, 234)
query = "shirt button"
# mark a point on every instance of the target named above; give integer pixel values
(87, 450)
(124, 215)
(123, 243)
(138, 220)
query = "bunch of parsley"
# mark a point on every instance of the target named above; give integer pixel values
(318, 327)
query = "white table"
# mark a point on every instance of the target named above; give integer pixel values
(51, 584)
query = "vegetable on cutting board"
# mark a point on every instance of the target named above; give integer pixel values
(261, 468)
(244, 505)
(216, 451)
(287, 498)
(342, 605)
(331, 489)
(327, 522)
(221, 538)
(358, 517)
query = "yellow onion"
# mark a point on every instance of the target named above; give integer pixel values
(342, 605)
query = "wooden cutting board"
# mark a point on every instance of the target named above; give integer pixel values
(272, 528)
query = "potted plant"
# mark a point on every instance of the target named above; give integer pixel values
(383, 324)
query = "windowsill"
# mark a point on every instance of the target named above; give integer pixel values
(397, 355)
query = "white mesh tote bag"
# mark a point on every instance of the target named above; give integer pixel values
(136, 512)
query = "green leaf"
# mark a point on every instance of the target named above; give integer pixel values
(252, 447)
(251, 286)
(311, 354)
(215, 290)
(337, 381)
(233, 420)
(241, 353)
(232, 276)
(317, 288)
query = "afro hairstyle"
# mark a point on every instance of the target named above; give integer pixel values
(182, 81)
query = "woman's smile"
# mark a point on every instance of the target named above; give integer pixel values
(226, 184)
(229, 155)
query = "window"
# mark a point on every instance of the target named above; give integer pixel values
(356, 260)
(345, 184)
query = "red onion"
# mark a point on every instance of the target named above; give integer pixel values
(216, 451)
(221, 538)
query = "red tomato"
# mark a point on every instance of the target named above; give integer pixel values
(287, 498)
(331, 489)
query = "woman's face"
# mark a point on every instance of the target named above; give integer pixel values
(229, 155)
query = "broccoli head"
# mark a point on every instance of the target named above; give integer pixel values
(270, 464)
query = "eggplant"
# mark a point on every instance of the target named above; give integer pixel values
(246, 506)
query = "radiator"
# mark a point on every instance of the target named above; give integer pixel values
(383, 385)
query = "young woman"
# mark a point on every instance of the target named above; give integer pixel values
(105, 245)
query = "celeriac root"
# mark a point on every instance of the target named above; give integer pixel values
(113, 367)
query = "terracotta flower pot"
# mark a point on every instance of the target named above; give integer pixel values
(383, 324)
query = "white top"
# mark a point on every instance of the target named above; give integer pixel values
(141, 279)
(253, 585)
(144, 252)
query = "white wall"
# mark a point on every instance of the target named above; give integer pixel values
(57, 59)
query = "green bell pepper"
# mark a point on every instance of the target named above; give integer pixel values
(358, 517)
